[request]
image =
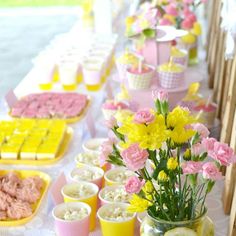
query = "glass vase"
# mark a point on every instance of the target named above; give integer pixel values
(201, 226)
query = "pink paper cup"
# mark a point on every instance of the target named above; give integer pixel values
(76, 174)
(71, 228)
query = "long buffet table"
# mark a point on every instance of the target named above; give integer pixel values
(42, 223)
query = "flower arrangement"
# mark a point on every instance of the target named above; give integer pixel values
(143, 23)
(185, 161)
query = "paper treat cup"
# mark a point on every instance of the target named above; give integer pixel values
(90, 200)
(75, 227)
(170, 79)
(110, 188)
(140, 81)
(92, 146)
(117, 228)
(80, 163)
(77, 171)
(108, 176)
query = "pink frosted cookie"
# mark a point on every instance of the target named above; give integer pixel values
(28, 194)
(50, 105)
(3, 215)
(19, 209)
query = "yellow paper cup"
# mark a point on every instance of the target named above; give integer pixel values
(111, 174)
(116, 228)
(91, 200)
(104, 201)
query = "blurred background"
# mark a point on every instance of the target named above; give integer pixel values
(27, 27)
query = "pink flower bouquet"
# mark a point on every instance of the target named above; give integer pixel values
(185, 161)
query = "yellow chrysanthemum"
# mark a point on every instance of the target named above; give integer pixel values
(162, 176)
(137, 204)
(197, 29)
(124, 116)
(189, 38)
(187, 154)
(148, 187)
(148, 136)
(172, 163)
(181, 135)
(179, 117)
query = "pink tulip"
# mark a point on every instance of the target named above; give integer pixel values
(172, 10)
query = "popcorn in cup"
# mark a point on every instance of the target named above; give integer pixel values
(68, 73)
(72, 218)
(92, 146)
(89, 159)
(112, 194)
(83, 192)
(117, 176)
(171, 75)
(88, 173)
(114, 218)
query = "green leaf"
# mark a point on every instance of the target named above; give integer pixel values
(161, 166)
(195, 139)
(158, 106)
(149, 33)
(203, 156)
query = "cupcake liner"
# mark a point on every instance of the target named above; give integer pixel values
(139, 81)
(171, 79)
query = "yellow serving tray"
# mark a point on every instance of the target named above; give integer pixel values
(35, 207)
(68, 121)
(63, 148)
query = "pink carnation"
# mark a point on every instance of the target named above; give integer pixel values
(144, 116)
(111, 122)
(133, 185)
(211, 171)
(192, 167)
(134, 157)
(187, 24)
(223, 154)
(165, 21)
(208, 144)
(197, 149)
(172, 10)
(201, 129)
(161, 95)
(106, 150)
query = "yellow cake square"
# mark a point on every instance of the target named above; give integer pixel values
(10, 151)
